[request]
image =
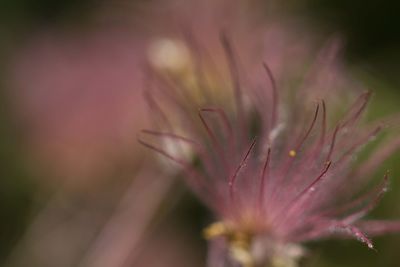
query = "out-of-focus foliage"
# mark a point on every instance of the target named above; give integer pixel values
(16, 187)
(25, 13)
(371, 29)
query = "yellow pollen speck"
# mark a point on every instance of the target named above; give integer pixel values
(292, 153)
(215, 230)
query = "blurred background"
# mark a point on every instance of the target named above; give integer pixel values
(74, 191)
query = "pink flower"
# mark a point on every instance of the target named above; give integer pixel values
(265, 159)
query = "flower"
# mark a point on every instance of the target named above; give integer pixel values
(271, 149)
(275, 173)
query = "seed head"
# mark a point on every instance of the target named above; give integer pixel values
(273, 166)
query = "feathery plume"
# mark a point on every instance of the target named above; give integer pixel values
(269, 163)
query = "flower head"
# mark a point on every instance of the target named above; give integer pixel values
(264, 158)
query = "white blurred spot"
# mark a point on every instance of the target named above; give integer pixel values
(168, 54)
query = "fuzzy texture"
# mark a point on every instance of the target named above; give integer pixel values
(265, 157)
